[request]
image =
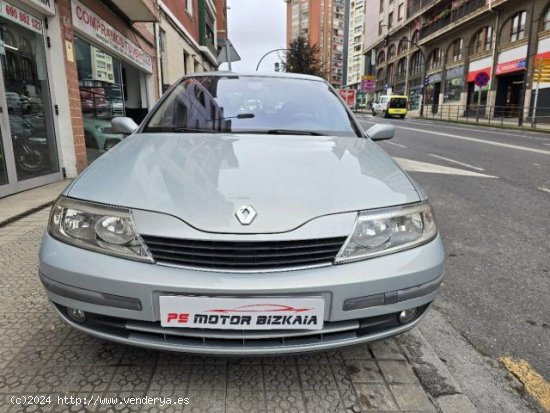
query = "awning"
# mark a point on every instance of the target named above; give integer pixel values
(138, 10)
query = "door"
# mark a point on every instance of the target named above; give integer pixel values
(28, 148)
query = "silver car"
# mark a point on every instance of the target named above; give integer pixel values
(280, 229)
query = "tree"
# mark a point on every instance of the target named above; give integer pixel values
(303, 57)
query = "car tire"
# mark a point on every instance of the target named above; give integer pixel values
(402, 116)
(385, 114)
(373, 112)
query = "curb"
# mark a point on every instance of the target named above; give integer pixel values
(435, 377)
(25, 213)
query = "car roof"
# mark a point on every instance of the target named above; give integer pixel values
(258, 74)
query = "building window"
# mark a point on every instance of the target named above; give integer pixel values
(381, 58)
(483, 40)
(389, 74)
(391, 52)
(434, 59)
(416, 63)
(402, 48)
(547, 19)
(381, 6)
(517, 31)
(390, 20)
(414, 38)
(456, 51)
(401, 69)
(380, 25)
(400, 12)
(189, 6)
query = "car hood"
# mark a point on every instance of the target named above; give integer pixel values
(204, 178)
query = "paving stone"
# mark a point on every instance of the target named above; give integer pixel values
(283, 401)
(386, 350)
(200, 401)
(245, 377)
(317, 377)
(208, 377)
(171, 377)
(364, 371)
(360, 352)
(277, 377)
(323, 401)
(397, 372)
(245, 401)
(411, 397)
(375, 397)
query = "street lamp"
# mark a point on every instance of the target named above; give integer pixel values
(268, 53)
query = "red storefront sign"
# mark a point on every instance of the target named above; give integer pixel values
(512, 66)
(20, 17)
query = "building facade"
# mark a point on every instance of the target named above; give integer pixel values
(67, 67)
(356, 29)
(435, 50)
(323, 22)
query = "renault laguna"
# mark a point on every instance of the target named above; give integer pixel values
(246, 215)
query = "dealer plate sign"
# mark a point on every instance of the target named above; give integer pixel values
(281, 313)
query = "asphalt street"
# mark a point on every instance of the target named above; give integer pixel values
(491, 192)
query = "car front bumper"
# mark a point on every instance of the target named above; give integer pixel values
(121, 298)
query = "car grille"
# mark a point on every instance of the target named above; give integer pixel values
(244, 255)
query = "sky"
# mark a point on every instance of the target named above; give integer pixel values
(256, 27)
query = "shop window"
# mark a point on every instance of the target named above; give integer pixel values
(455, 54)
(483, 40)
(453, 89)
(29, 108)
(517, 30)
(101, 97)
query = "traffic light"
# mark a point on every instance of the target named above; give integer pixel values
(386, 40)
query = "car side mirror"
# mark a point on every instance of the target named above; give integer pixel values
(380, 132)
(123, 125)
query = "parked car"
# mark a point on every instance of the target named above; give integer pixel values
(287, 232)
(389, 106)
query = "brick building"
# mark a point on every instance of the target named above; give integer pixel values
(67, 67)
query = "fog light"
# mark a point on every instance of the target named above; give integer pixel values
(77, 315)
(407, 315)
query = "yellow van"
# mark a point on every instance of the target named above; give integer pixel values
(387, 106)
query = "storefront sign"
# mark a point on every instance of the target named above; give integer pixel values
(508, 67)
(90, 24)
(21, 17)
(44, 6)
(368, 84)
(435, 78)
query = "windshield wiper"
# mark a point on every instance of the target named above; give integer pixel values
(186, 129)
(293, 132)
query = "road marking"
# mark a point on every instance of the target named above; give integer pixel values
(457, 162)
(466, 138)
(416, 166)
(397, 144)
(534, 383)
(542, 188)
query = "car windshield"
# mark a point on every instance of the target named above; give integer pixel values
(398, 103)
(252, 104)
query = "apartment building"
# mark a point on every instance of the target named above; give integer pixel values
(188, 37)
(356, 33)
(323, 22)
(436, 49)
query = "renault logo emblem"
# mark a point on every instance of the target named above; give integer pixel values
(246, 214)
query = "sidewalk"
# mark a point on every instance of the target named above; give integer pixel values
(23, 203)
(41, 355)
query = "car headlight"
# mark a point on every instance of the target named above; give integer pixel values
(101, 228)
(385, 231)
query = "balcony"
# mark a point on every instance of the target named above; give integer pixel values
(138, 10)
(448, 16)
(416, 5)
